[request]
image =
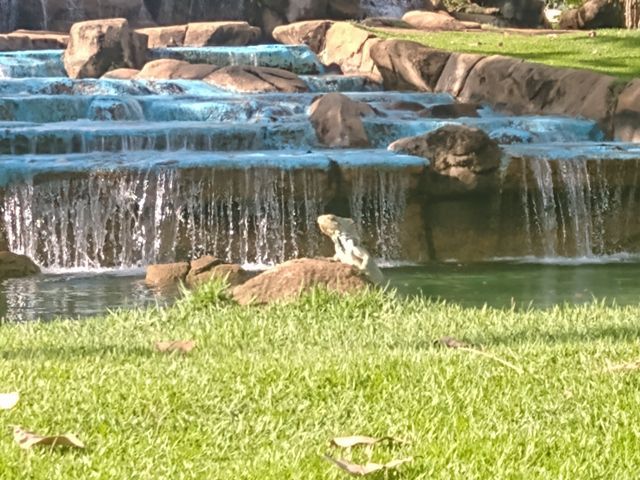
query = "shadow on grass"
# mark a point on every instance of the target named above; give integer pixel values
(75, 353)
(614, 334)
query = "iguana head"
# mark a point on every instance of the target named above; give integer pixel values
(332, 225)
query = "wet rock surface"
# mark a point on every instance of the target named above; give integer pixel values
(167, 69)
(289, 280)
(13, 265)
(338, 121)
(256, 79)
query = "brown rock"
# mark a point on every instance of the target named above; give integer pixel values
(409, 65)
(13, 265)
(295, 277)
(627, 117)
(97, 46)
(457, 152)
(164, 275)
(338, 121)
(221, 33)
(350, 47)
(160, 37)
(455, 72)
(233, 274)
(521, 87)
(166, 69)
(384, 22)
(242, 78)
(452, 110)
(434, 21)
(311, 33)
(593, 14)
(121, 74)
(32, 40)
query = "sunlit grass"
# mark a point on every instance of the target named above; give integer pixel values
(614, 52)
(266, 388)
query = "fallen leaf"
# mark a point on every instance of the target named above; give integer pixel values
(182, 346)
(627, 366)
(8, 400)
(368, 468)
(451, 342)
(357, 440)
(27, 439)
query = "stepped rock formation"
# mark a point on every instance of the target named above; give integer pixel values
(338, 121)
(97, 46)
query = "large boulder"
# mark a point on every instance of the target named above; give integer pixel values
(432, 21)
(289, 280)
(349, 47)
(167, 69)
(221, 33)
(242, 78)
(406, 65)
(97, 46)
(462, 156)
(337, 121)
(29, 40)
(626, 125)
(121, 74)
(312, 33)
(521, 87)
(13, 265)
(594, 14)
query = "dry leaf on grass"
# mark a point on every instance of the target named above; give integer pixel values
(361, 470)
(182, 346)
(627, 366)
(451, 342)
(358, 440)
(27, 439)
(8, 400)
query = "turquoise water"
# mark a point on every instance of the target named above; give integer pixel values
(496, 284)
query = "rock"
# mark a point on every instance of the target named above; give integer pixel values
(13, 265)
(221, 34)
(520, 87)
(95, 47)
(432, 21)
(408, 65)
(455, 72)
(161, 37)
(626, 122)
(121, 74)
(350, 47)
(209, 268)
(112, 109)
(593, 14)
(241, 78)
(451, 110)
(405, 105)
(295, 277)
(457, 152)
(520, 13)
(167, 274)
(312, 33)
(167, 69)
(338, 121)
(32, 40)
(384, 22)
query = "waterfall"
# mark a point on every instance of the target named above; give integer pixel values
(8, 15)
(570, 207)
(389, 8)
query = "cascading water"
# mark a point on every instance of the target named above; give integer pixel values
(8, 15)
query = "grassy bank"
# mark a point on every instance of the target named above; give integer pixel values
(265, 390)
(613, 52)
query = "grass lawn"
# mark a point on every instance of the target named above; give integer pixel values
(266, 388)
(614, 52)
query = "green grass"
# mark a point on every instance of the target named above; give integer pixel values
(614, 52)
(266, 388)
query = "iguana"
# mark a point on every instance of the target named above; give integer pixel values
(348, 246)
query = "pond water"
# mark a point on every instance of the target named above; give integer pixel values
(498, 284)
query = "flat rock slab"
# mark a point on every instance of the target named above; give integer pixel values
(256, 79)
